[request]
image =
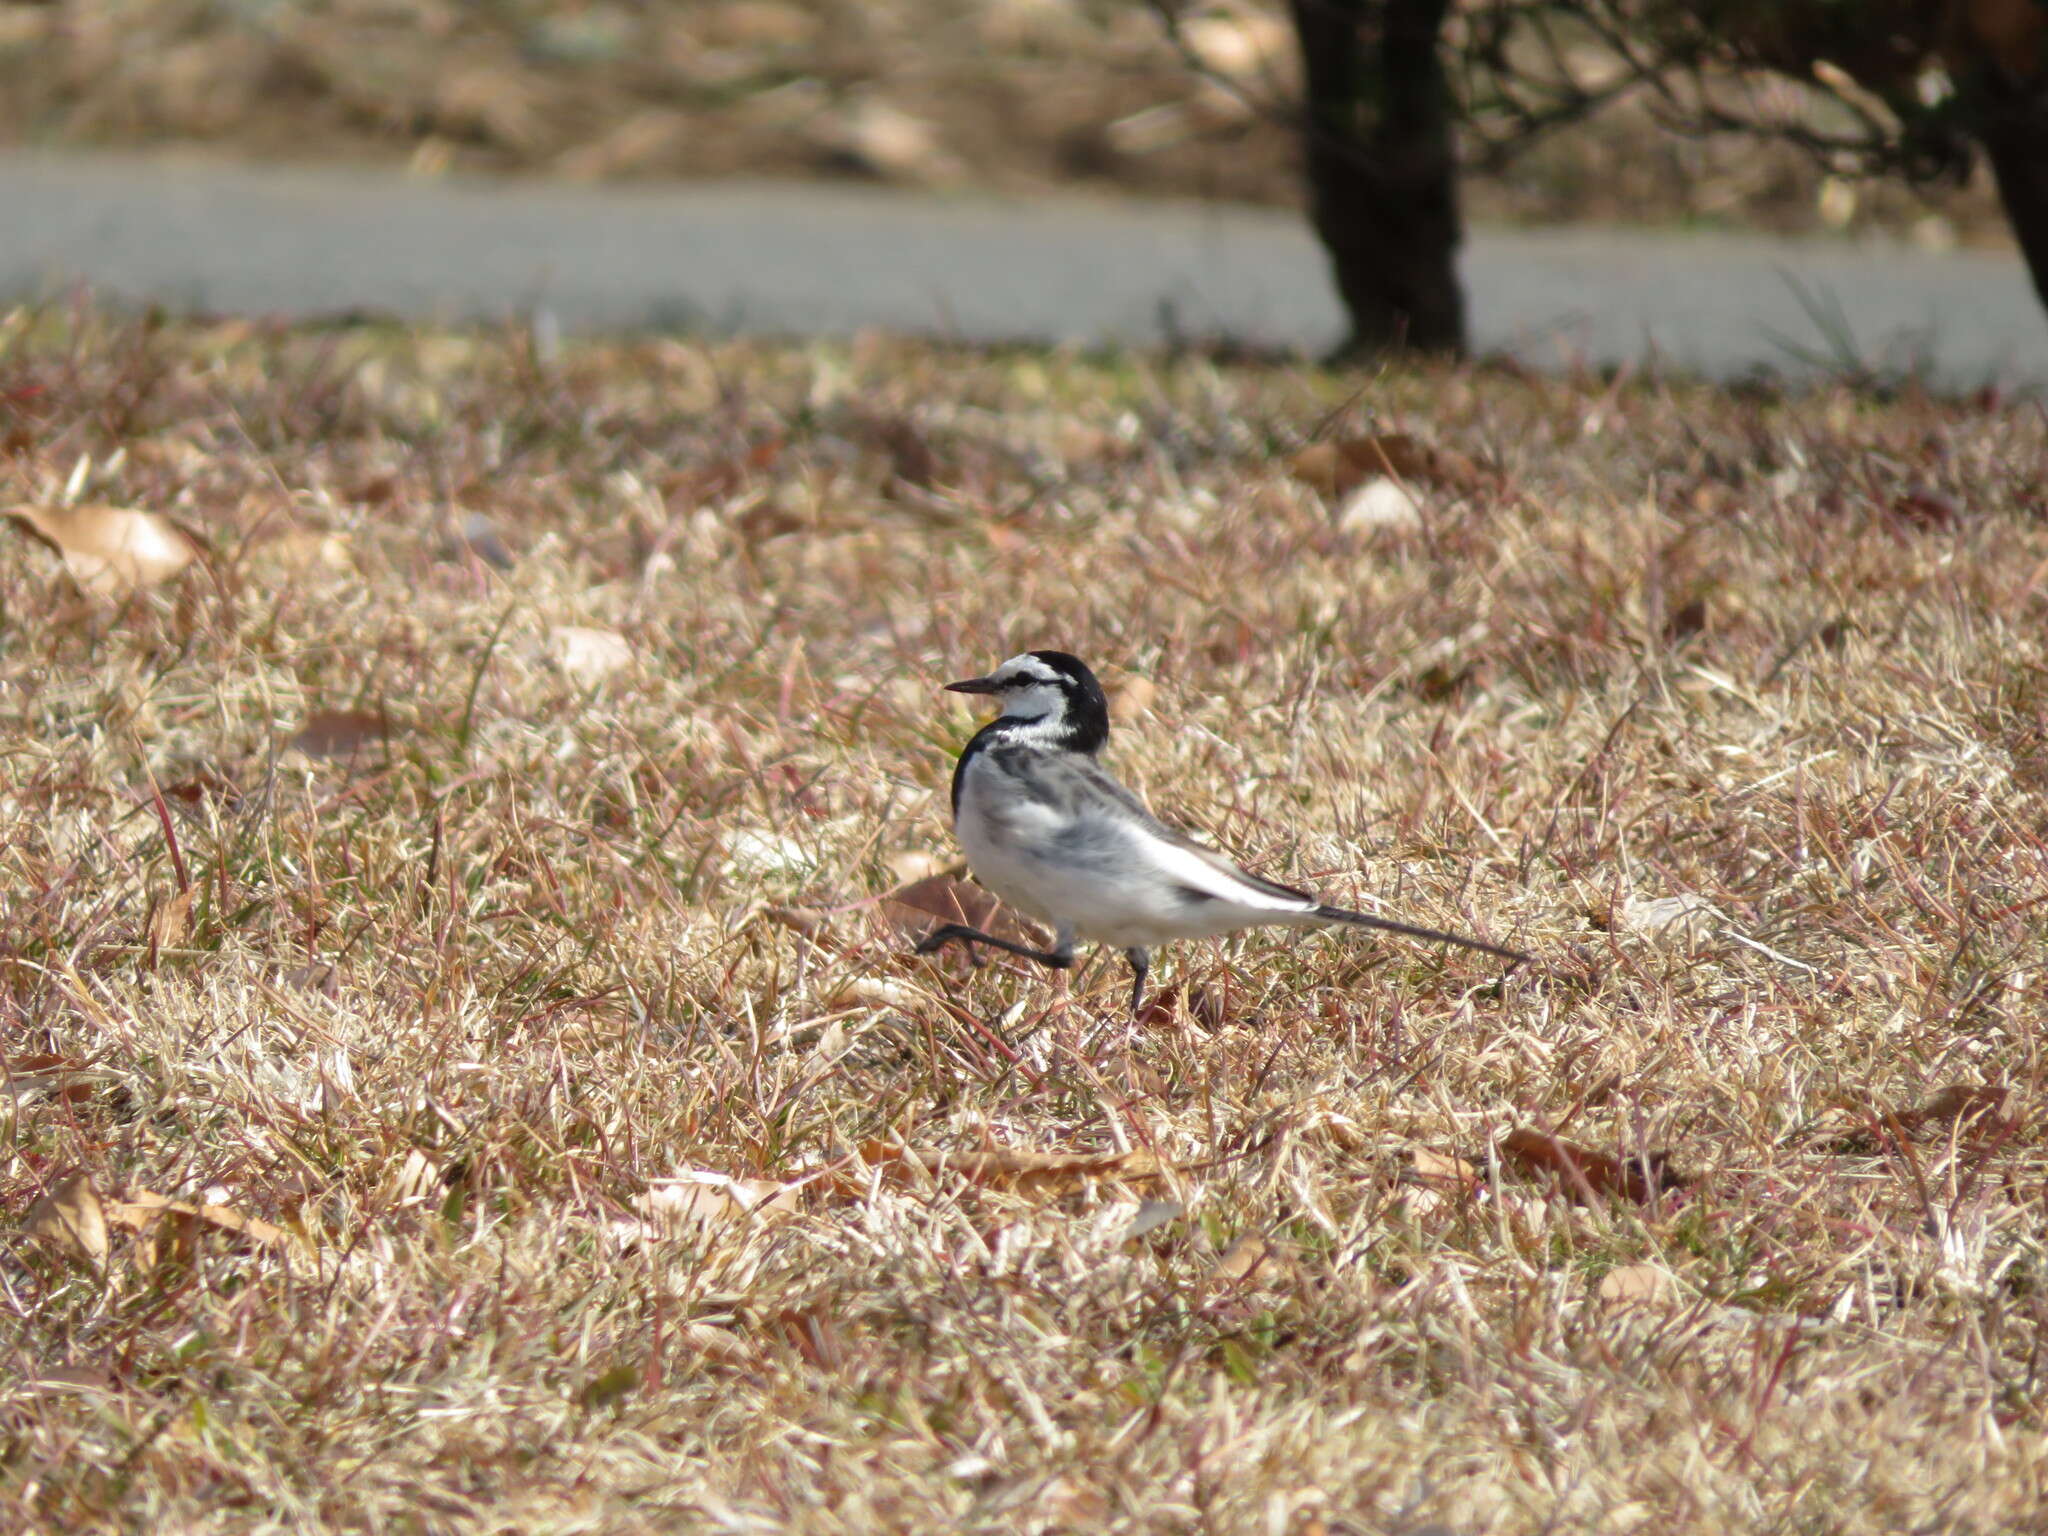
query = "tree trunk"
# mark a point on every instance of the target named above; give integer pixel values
(1382, 168)
(1997, 54)
(2018, 152)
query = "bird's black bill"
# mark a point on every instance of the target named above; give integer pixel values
(975, 685)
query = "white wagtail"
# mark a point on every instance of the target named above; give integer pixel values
(1049, 831)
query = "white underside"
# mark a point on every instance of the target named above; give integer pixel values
(1107, 879)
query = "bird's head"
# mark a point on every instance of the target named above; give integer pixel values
(1052, 691)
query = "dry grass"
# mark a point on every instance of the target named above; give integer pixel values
(453, 996)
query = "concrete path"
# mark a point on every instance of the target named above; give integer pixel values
(803, 258)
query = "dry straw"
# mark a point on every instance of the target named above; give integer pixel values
(460, 1076)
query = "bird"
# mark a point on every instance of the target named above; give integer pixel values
(1049, 830)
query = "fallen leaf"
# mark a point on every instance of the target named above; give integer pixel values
(1686, 621)
(300, 550)
(168, 920)
(914, 910)
(1973, 1112)
(1337, 468)
(753, 852)
(319, 976)
(713, 1342)
(1635, 1284)
(1153, 1214)
(914, 864)
(204, 783)
(1203, 1005)
(169, 1229)
(61, 1380)
(1130, 694)
(418, 1178)
(877, 992)
(1581, 1171)
(1441, 1170)
(476, 535)
(589, 655)
(64, 1077)
(1686, 917)
(341, 732)
(1248, 1261)
(1380, 503)
(110, 551)
(698, 1201)
(1039, 1175)
(813, 1334)
(1980, 1105)
(71, 1216)
(1923, 507)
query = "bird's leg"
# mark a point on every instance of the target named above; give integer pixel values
(1141, 963)
(1060, 957)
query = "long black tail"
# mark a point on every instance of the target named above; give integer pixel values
(1435, 936)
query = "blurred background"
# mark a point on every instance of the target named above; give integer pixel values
(1917, 127)
(1120, 96)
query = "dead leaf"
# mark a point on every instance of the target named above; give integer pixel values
(1686, 621)
(71, 1216)
(694, 1203)
(1975, 1114)
(1163, 1009)
(63, 1077)
(814, 1334)
(712, 1342)
(878, 992)
(1982, 1106)
(301, 550)
(1635, 1284)
(1153, 1214)
(168, 920)
(1250, 1260)
(110, 551)
(63, 1380)
(589, 655)
(418, 1178)
(1380, 503)
(1440, 1170)
(1924, 507)
(170, 1227)
(913, 463)
(1037, 1175)
(341, 732)
(1130, 694)
(204, 783)
(477, 536)
(1685, 918)
(1580, 1171)
(911, 909)
(1338, 468)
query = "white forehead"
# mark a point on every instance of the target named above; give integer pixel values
(1024, 669)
